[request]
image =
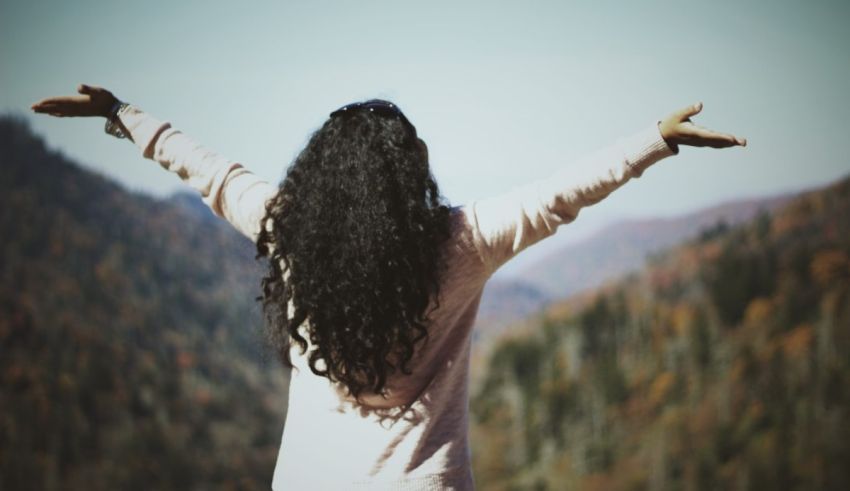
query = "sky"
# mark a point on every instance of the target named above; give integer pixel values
(503, 92)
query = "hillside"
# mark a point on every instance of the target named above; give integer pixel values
(607, 255)
(625, 246)
(721, 365)
(132, 356)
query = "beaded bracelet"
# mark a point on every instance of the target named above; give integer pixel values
(112, 127)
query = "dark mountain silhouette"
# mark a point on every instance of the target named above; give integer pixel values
(131, 353)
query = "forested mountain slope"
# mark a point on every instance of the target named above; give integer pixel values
(724, 364)
(130, 341)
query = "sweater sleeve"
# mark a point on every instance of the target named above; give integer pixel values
(227, 187)
(506, 224)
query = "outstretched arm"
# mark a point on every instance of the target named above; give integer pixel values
(227, 187)
(506, 224)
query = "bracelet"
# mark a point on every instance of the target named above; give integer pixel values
(112, 127)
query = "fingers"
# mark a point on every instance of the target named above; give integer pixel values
(722, 137)
(93, 101)
(91, 89)
(687, 112)
(702, 137)
(64, 106)
(51, 103)
(43, 106)
(48, 107)
(735, 140)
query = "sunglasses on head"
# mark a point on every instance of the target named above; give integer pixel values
(372, 106)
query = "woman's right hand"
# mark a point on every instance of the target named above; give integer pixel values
(94, 101)
(677, 129)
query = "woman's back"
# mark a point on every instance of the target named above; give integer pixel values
(424, 445)
(416, 438)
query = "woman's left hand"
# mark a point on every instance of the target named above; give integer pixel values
(94, 101)
(678, 129)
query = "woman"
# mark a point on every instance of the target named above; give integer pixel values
(373, 282)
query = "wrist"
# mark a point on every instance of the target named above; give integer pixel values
(112, 108)
(667, 137)
(113, 124)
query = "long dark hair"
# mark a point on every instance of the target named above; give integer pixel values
(355, 244)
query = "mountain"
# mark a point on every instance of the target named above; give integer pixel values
(131, 353)
(605, 256)
(722, 364)
(505, 302)
(625, 246)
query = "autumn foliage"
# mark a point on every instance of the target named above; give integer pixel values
(130, 353)
(724, 364)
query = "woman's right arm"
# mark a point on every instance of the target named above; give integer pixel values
(227, 187)
(231, 191)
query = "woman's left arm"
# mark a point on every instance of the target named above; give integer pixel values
(505, 224)
(232, 191)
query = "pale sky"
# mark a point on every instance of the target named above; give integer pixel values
(502, 92)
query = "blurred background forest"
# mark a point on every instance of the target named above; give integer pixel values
(723, 364)
(131, 352)
(131, 355)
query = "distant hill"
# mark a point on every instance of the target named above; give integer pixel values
(505, 302)
(722, 364)
(131, 355)
(607, 255)
(625, 246)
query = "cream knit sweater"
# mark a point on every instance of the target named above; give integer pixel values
(416, 439)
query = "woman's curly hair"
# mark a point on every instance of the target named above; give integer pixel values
(357, 225)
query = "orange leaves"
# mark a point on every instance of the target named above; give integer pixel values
(683, 318)
(712, 250)
(661, 279)
(830, 266)
(203, 397)
(796, 216)
(793, 344)
(660, 388)
(185, 360)
(758, 312)
(796, 343)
